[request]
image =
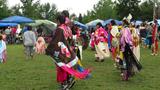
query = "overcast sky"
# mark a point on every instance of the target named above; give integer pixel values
(74, 6)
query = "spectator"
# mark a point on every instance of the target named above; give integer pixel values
(149, 35)
(29, 39)
(13, 34)
(8, 33)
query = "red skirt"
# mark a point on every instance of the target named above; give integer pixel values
(61, 75)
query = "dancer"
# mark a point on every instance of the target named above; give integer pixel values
(135, 41)
(3, 52)
(129, 62)
(92, 39)
(64, 57)
(114, 39)
(155, 39)
(101, 44)
(69, 34)
(77, 41)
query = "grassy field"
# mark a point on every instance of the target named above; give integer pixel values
(39, 73)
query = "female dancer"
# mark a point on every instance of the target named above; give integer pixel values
(101, 44)
(64, 56)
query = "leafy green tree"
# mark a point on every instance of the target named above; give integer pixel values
(48, 11)
(5, 12)
(88, 17)
(104, 9)
(35, 10)
(124, 7)
(146, 10)
(16, 10)
(30, 8)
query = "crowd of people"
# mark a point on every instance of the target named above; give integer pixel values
(11, 34)
(120, 42)
(146, 32)
(150, 34)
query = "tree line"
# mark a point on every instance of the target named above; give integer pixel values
(104, 9)
(29, 8)
(118, 9)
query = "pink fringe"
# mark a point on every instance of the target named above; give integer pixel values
(80, 75)
(64, 71)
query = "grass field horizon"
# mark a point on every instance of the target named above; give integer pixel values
(39, 74)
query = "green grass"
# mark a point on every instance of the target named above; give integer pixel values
(39, 73)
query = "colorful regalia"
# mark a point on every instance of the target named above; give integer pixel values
(68, 64)
(114, 41)
(77, 43)
(91, 43)
(101, 44)
(135, 41)
(40, 45)
(129, 62)
(155, 40)
(2, 51)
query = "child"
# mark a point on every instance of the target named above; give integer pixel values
(40, 45)
(2, 50)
